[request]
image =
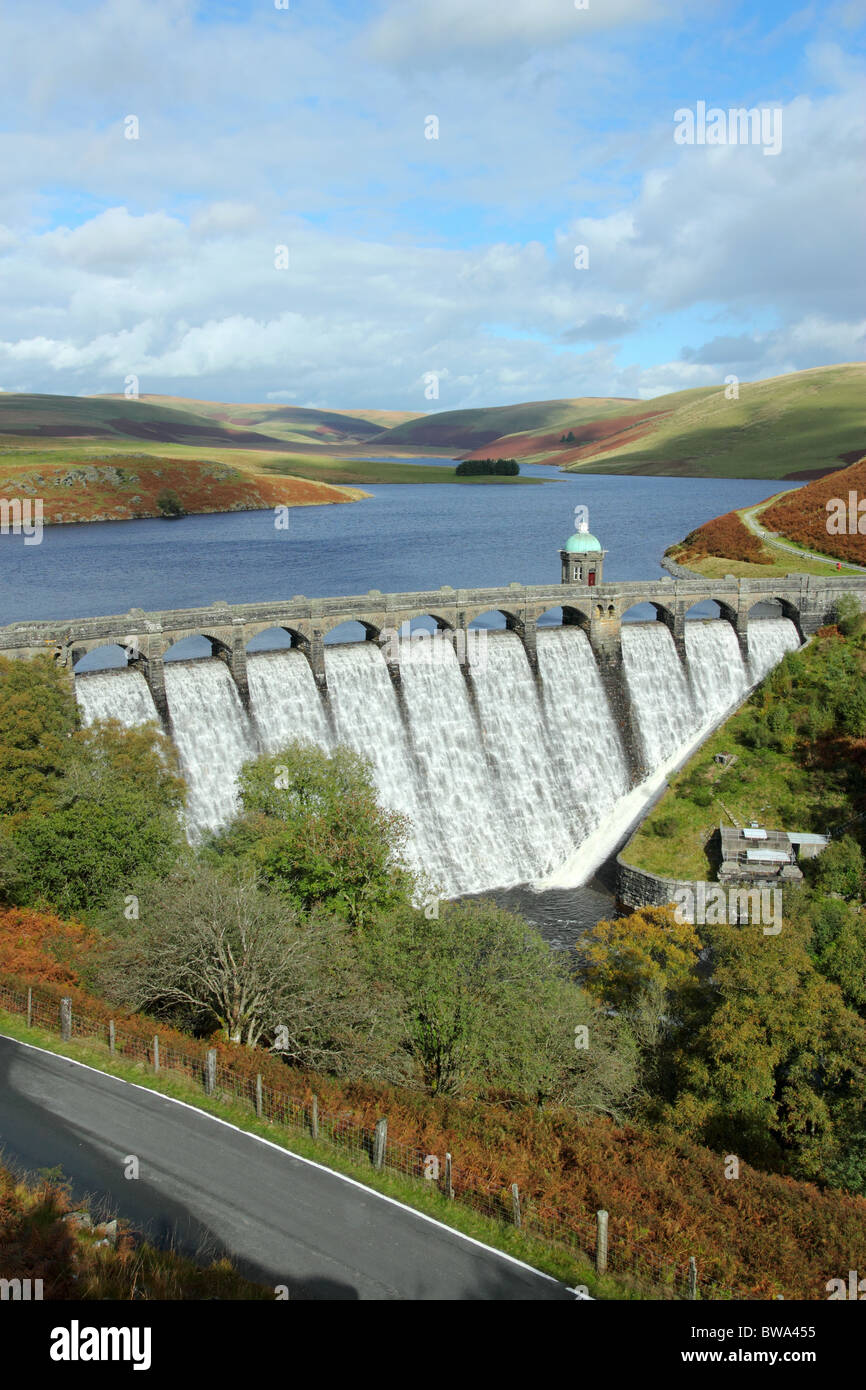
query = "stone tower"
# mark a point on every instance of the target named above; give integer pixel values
(582, 556)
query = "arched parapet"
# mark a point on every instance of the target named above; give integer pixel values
(372, 626)
(789, 609)
(297, 633)
(672, 617)
(522, 623)
(564, 614)
(221, 641)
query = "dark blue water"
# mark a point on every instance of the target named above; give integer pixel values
(404, 536)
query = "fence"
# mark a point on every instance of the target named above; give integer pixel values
(505, 1203)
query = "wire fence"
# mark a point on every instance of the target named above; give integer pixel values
(597, 1239)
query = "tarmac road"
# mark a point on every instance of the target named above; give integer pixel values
(211, 1189)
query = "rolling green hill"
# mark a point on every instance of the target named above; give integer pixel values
(473, 429)
(795, 427)
(289, 423)
(36, 417)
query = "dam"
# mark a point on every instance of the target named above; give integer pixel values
(505, 753)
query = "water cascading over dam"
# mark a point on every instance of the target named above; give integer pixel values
(502, 775)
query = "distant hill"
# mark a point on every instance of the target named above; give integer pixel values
(37, 417)
(473, 429)
(796, 426)
(290, 424)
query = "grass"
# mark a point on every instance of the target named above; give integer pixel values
(554, 1260)
(776, 429)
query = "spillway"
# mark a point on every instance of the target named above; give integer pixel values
(503, 774)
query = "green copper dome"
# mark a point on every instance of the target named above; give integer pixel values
(581, 542)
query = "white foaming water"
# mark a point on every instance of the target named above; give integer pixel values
(466, 830)
(769, 640)
(717, 675)
(588, 761)
(505, 779)
(535, 779)
(367, 717)
(284, 700)
(658, 690)
(213, 737)
(121, 695)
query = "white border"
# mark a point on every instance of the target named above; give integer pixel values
(298, 1158)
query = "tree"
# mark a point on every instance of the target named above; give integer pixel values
(114, 818)
(772, 1068)
(169, 503)
(313, 829)
(38, 715)
(488, 1005)
(211, 949)
(840, 868)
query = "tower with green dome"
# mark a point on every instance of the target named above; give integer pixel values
(582, 556)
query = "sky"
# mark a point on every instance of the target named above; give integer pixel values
(246, 202)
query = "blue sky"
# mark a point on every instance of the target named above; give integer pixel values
(305, 128)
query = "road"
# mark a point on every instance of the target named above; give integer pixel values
(212, 1189)
(771, 538)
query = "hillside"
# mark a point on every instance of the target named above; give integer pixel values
(287, 423)
(36, 417)
(802, 516)
(122, 487)
(796, 427)
(474, 429)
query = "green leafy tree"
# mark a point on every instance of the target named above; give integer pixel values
(114, 818)
(771, 1067)
(488, 1006)
(38, 715)
(312, 827)
(169, 503)
(840, 868)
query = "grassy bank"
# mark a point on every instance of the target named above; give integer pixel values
(792, 768)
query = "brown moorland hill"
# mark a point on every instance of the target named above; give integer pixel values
(121, 487)
(803, 516)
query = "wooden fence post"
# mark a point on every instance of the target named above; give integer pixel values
(601, 1243)
(66, 1018)
(693, 1277)
(210, 1071)
(515, 1203)
(449, 1190)
(379, 1143)
(30, 1008)
(155, 1052)
(314, 1117)
(259, 1106)
(112, 1035)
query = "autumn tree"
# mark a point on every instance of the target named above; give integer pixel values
(210, 949)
